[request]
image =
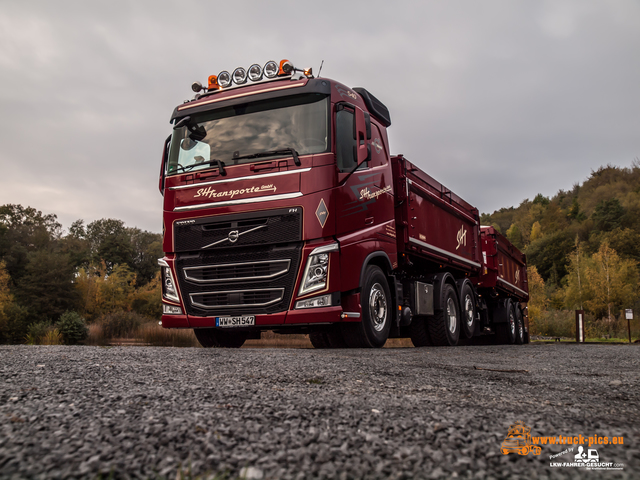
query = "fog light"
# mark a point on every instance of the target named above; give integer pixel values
(255, 72)
(239, 76)
(271, 69)
(171, 309)
(321, 301)
(224, 79)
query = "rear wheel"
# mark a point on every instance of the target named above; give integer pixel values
(506, 332)
(520, 335)
(468, 311)
(420, 332)
(373, 330)
(216, 338)
(444, 326)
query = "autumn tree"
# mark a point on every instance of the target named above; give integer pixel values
(537, 297)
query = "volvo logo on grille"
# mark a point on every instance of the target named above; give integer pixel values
(233, 235)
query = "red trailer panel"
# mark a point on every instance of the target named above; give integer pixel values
(505, 267)
(438, 225)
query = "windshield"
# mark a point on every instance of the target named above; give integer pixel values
(231, 134)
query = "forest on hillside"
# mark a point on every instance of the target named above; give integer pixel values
(89, 273)
(583, 250)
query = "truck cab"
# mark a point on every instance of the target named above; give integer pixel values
(276, 192)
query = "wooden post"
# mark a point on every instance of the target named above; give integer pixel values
(629, 314)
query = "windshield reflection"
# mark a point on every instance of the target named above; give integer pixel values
(299, 122)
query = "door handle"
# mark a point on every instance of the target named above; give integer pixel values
(368, 220)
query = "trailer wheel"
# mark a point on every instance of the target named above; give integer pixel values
(318, 340)
(373, 330)
(506, 332)
(215, 338)
(468, 311)
(519, 324)
(444, 326)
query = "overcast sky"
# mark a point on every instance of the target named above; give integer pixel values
(498, 100)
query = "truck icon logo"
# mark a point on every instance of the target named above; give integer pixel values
(592, 457)
(461, 237)
(518, 440)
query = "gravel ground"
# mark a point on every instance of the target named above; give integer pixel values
(149, 412)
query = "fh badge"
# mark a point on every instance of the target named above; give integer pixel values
(461, 237)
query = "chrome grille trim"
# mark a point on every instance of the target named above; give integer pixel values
(285, 262)
(214, 307)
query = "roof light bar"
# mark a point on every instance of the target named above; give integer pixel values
(271, 70)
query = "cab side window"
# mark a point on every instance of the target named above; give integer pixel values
(345, 139)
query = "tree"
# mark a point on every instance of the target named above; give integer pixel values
(537, 297)
(536, 231)
(515, 236)
(608, 215)
(612, 282)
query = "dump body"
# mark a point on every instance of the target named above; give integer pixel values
(505, 267)
(435, 223)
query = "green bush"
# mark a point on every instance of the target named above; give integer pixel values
(36, 332)
(120, 324)
(14, 323)
(72, 327)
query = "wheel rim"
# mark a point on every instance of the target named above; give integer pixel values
(452, 315)
(520, 328)
(468, 310)
(378, 307)
(512, 323)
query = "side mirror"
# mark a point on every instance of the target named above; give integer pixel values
(163, 165)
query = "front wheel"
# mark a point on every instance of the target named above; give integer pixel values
(216, 338)
(506, 331)
(373, 330)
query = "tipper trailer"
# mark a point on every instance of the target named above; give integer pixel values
(284, 211)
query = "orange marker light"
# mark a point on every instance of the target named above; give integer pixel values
(286, 67)
(213, 83)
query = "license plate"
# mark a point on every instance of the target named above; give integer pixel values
(243, 321)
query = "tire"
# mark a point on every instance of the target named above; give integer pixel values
(420, 332)
(506, 332)
(334, 337)
(319, 340)
(468, 308)
(377, 311)
(216, 338)
(520, 335)
(444, 326)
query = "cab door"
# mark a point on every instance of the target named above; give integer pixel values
(365, 197)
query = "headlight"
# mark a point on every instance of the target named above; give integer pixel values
(316, 271)
(224, 79)
(321, 301)
(169, 290)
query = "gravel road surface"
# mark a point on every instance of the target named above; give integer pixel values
(149, 412)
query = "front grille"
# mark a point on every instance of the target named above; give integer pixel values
(237, 298)
(231, 281)
(238, 230)
(236, 272)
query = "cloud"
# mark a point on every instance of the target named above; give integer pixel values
(498, 100)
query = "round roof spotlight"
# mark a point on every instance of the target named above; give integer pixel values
(224, 79)
(255, 72)
(286, 67)
(196, 86)
(239, 76)
(271, 69)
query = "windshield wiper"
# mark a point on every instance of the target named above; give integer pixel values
(269, 153)
(210, 162)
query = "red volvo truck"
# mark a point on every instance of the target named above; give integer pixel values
(284, 210)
